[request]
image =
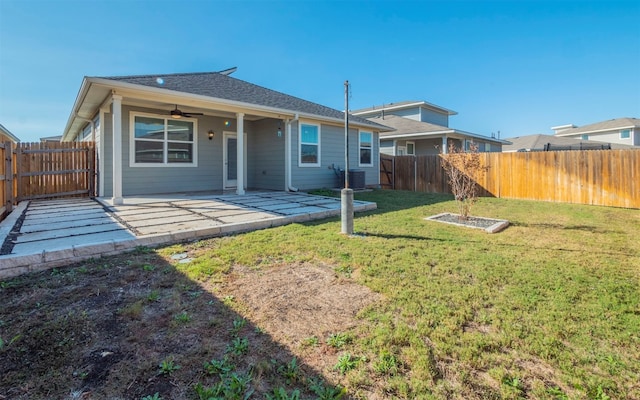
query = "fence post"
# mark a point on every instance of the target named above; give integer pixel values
(415, 173)
(91, 162)
(18, 164)
(8, 176)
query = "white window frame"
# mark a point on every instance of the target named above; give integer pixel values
(360, 164)
(300, 163)
(165, 163)
(628, 131)
(584, 137)
(412, 143)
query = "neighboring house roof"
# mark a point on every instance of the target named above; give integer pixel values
(216, 89)
(539, 141)
(56, 138)
(402, 105)
(406, 128)
(7, 133)
(612, 124)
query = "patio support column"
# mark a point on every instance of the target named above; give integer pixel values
(116, 104)
(240, 154)
(445, 145)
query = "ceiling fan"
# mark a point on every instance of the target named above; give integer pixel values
(177, 114)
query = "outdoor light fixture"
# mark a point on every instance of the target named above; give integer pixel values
(279, 129)
(211, 133)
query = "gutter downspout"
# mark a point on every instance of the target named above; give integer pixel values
(95, 153)
(287, 155)
(93, 125)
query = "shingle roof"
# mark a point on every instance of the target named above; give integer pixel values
(538, 142)
(612, 124)
(221, 86)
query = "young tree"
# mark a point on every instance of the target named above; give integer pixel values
(463, 169)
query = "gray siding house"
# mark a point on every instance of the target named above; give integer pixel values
(208, 131)
(618, 130)
(422, 128)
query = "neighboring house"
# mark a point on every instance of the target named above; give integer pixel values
(422, 128)
(619, 130)
(56, 138)
(542, 142)
(7, 136)
(208, 131)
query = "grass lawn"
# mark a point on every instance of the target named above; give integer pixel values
(412, 309)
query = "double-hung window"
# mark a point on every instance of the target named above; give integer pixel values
(366, 147)
(625, 134)
(159, 141)
(309, 149)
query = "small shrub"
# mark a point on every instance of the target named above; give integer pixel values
(154, 295)
(463, 169)
(312, 341)
(290, 371)
(346, 363)
(280, 393)
(386, 365)
(168, 366)
(238, 324)
(238, 346)
(338, 340)
(183, 317)
(208, 393)
(237, 386)
(326, 392)
(218, 367)
(155, 396)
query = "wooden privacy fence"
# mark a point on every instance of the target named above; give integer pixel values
(55, 169)
(597, 177)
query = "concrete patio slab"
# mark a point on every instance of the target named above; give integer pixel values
(49, 233)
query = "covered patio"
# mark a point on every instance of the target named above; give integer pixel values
(49, 233)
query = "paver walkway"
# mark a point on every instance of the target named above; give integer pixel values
(45, 234)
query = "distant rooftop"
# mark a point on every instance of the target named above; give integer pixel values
(403, 105)
(539, 141)
(612, 124)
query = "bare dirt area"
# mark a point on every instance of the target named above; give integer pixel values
(297, 303)
(131, 326)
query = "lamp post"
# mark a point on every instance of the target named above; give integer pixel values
(346, 195)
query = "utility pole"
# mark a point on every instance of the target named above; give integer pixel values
(346, 195)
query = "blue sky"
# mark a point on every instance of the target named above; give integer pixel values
(518, 67)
